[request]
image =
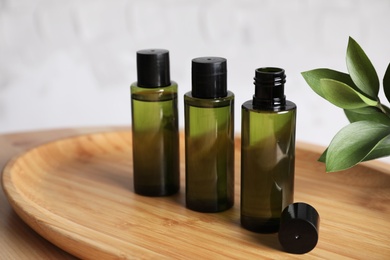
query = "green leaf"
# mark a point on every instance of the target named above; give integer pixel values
(386, 83)
(382, 149)
(361, 70)
(353, 143)
(367, 114)
(313, 78)
(344, 96)
(323, 156)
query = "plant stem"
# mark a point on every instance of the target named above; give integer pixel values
(379, 105)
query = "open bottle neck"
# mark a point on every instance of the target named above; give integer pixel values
(269, 88)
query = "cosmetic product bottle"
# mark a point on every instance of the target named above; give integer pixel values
(155, 126)
(267, 152)
(209, 137)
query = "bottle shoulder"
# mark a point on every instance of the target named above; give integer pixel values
(289, 106)
(209, 102)
(154, 94)
(136, 88)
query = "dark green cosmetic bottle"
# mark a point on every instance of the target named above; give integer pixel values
(155, 126)
(267, 152)
(209, 137)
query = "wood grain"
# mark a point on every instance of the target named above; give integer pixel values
(78, 194)
(18, 240)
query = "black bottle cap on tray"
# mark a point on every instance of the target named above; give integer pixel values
(153, 68)
(299, 227)
(269, 87)
(209, 77)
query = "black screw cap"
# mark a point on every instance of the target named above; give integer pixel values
(209, 77)
(299, 227)
(153, 68)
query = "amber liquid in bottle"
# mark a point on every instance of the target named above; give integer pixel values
(267, 153)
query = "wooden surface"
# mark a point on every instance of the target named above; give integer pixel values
(77, 193)
(17, 240)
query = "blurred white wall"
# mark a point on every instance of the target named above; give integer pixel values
(70, 63)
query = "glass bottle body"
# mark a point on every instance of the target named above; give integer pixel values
(155, 140)
(267, 165)
(209, 149)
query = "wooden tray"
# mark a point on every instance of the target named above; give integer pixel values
(78, 194)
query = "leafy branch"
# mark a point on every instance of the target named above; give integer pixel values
(367, 137)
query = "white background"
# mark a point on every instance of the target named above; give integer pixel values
(70, 63)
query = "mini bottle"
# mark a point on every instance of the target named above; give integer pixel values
(155, 126)
(209, 137)
(267, 152)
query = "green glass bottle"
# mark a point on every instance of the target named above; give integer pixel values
(209, 137)
(267, 152)
(155, 126)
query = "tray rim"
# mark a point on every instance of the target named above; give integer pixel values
(36, 223)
